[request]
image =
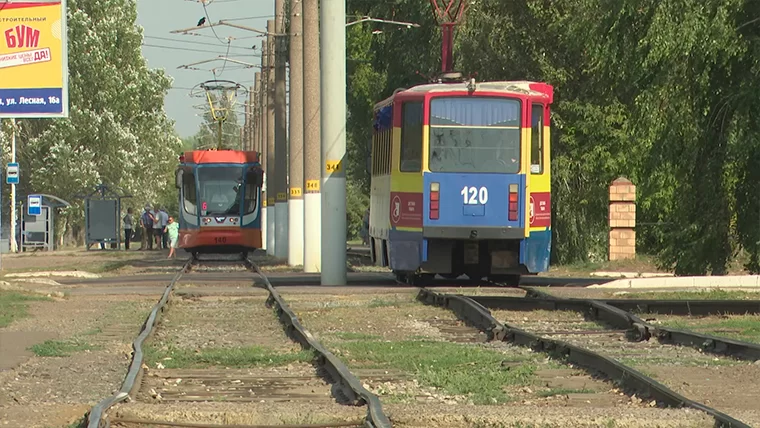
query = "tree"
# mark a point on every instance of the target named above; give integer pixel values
(118, 132)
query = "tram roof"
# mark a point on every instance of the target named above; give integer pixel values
(219, 156)
(537, 90)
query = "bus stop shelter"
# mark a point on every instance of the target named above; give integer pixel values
(38, 231)
(102, 216)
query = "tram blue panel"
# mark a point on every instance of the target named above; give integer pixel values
(453, 211)
(536, 250)
(406, 250)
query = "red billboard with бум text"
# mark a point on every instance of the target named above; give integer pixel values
(33, 59)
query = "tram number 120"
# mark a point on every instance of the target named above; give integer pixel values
(220, 239)
(474, 196)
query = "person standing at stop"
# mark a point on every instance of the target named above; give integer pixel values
(127, 228)
(172, 230)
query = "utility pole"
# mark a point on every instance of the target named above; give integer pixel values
(332, 39)
(13, 247)
(295, 203)
(271, 167)
(255, 100)
(280, 135)
(245, 143)
(312, 153)
(264, 135)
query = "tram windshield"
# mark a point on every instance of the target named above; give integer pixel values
(475, 134)
(220, 189)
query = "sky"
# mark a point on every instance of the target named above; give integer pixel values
(167, 51)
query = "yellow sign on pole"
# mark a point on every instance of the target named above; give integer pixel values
(33, 59)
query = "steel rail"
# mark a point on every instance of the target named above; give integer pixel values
(97, 413)
(477, 315)
(639, 329)
(673, 307)
(345, 382)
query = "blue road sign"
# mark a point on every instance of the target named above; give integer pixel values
(11, 173)
(34, 205)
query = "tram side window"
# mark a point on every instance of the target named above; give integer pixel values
(251, 193)
(190, 195)
(537, 139)
(411, 137)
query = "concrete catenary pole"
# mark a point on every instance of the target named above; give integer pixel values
(263, 140)
(271, 167)
(256, 111)
(245, 142)
(251, 113)
(280, 135)
(332, 39)
(312, 256)
(295, 203)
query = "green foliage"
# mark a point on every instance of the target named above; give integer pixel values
(117, 132)
(661, 92)
(357, 202)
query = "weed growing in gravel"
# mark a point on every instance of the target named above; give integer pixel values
(457, 369)
(347, 335)
(14, 306)
(61, 348)
(173, 357)
(384, 303)
(563, 391)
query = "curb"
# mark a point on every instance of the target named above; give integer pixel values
(742, 281)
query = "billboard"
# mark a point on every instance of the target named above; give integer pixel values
(33, 59)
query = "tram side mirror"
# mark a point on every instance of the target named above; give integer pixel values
(178, 179)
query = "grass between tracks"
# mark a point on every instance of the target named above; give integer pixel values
(411, 342)
(173, 357)
(15, 305)
(457, 369)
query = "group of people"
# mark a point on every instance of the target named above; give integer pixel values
(157, 227)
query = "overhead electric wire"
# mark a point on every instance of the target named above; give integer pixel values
(196, 50)
(245, 18)
(205, 11)
(193, 42)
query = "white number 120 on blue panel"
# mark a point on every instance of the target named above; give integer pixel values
(473, 196)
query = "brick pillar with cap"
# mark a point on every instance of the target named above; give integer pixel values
(622, 219)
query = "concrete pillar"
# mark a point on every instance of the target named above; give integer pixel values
(622, 219)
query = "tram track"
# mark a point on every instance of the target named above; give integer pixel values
(312, 389)
(542, 323)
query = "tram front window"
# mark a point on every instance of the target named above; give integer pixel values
(475, 134)
(219, 190)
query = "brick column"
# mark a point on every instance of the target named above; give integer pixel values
(622, 219)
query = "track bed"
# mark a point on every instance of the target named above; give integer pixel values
(724, 383)
(431, 370)
(221, 359)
